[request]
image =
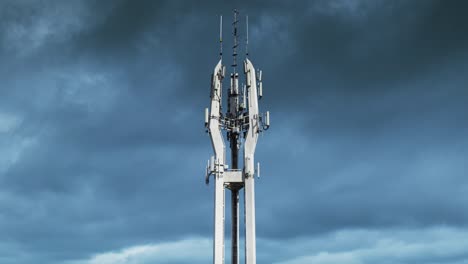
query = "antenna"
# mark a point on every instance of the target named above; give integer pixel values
(221, 36)
(247, 36)
(234, 48)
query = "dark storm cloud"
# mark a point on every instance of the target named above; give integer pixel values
(387, 42)
(81, 114)
(108, 98)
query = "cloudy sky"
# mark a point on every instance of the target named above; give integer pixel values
(103, 149)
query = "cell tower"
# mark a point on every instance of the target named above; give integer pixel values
(243, 123)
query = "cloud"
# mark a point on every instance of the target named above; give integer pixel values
(30, 26)
(8, 122)
(433, 245)
(195, 250)
(354, 9)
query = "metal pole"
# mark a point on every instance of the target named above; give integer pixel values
(233, 138)
(234, 201)
(235, 226)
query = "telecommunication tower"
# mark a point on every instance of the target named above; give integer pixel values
(243, 123)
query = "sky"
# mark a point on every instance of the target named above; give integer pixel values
(103, 148)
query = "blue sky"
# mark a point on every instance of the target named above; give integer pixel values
(103, 149)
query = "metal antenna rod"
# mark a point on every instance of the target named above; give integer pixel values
(247, 36)
(221, 36)
(234, 48)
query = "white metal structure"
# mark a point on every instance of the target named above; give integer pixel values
(243, 123)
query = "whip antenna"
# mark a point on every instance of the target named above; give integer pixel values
(221, 36)
(234, 48)
(247, 36)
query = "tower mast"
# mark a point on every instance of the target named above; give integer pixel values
(240, 120)
(233, 136)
